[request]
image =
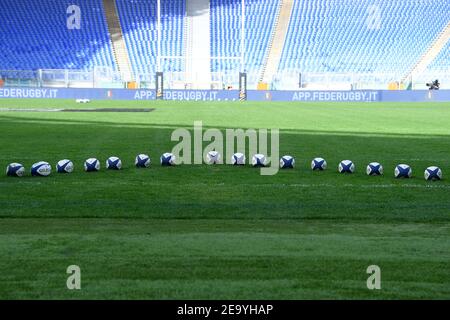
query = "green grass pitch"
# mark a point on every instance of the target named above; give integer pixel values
(204, 232)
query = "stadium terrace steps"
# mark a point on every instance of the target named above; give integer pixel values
(277, 42)
(441, 64)
(432, 52)
(226, 35)
(119, 47)
(198, 43)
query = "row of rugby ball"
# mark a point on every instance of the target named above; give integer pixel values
(213, 157)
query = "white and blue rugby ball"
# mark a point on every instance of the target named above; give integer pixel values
(346, 166)
(433, 173)
(287, 162)
(15, 170)
(142, 161)
(113, 163)
(238, 159)
(213, 157)
(91, 165)
(374, 169)
(167, 159)
(41, 169)
(318, 164)
(403, 171)
(64, 166)
(259, 160)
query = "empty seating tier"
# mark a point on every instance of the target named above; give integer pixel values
(35, 35)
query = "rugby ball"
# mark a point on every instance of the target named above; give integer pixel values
(167, 159)
(15, 170)
(318, 164)
(113, 163)
(64, 166)
(142, 161)
(403, 171)
(41, 169)
(213, 157)
(91, 165)
(433, 173)
(83, 100)
(259, 160)
(287, 162)
(374, 169)
(238, 159)
(346, 166)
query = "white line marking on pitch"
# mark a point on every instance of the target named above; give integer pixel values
(29, 110)
(295, 185)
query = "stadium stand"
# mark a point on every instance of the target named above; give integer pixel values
(323, 36)
(226, 33)
(361, 36)
(139, 25)
(34, 35)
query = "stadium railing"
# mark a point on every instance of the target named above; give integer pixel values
(355, 81)
(104, 77)
(100, 77)
(19, 78)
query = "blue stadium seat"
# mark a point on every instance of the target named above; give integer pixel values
(138, 19)
(364, 36)
(226, 33)
(34, 35)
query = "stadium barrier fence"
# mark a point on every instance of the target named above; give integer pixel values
(227, 95)
(105, 77)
